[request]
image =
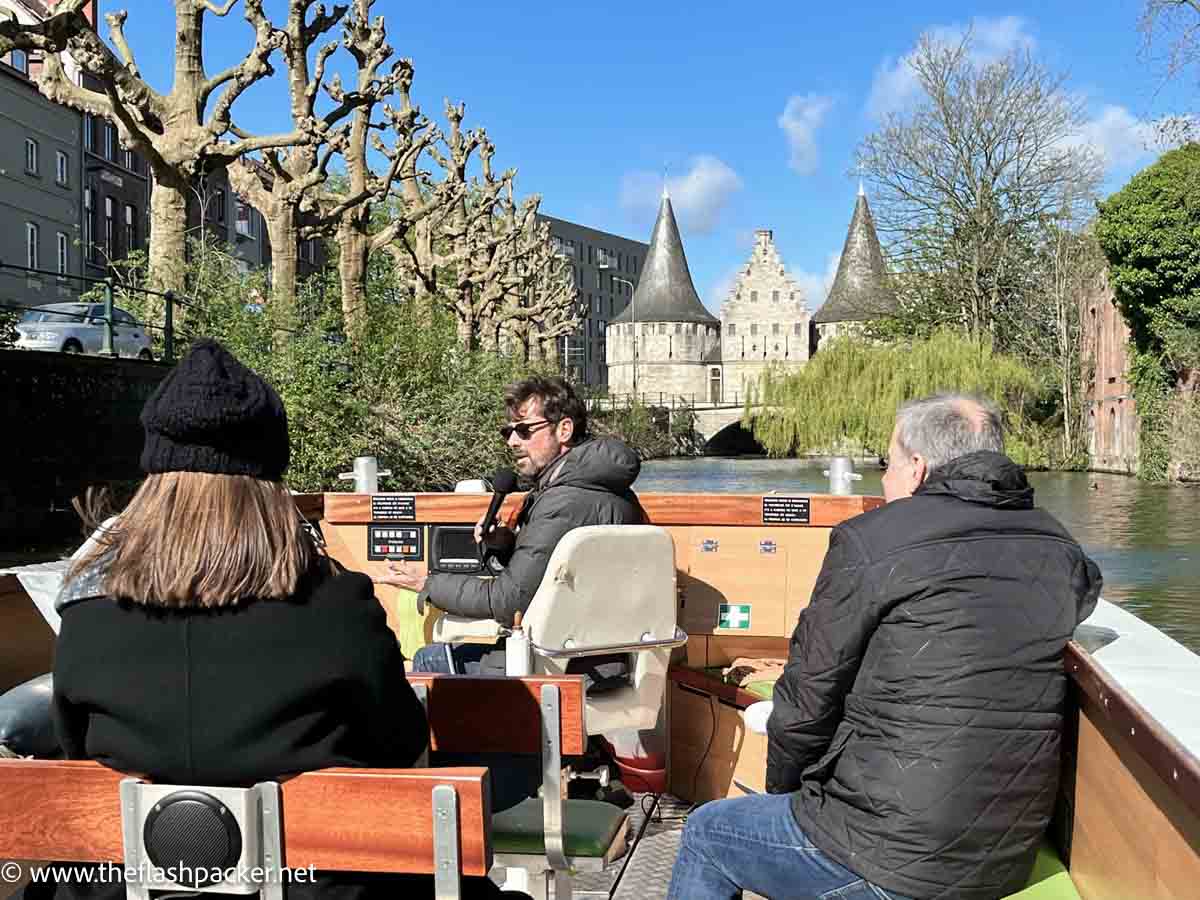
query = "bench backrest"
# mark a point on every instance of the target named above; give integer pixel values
(499, 715)
(357, 820)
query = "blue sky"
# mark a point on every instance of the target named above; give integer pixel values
(754, 109)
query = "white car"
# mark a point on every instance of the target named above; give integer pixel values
(79, 328)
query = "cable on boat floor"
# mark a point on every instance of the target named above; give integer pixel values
(648, 873)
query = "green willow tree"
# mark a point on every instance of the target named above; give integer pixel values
(846, 396)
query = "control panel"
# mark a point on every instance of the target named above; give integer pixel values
(393, 541)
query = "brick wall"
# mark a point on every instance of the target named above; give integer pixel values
(1112, 419)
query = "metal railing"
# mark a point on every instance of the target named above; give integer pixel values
(170, 298)
(666, 400)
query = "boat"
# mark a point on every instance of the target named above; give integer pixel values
(1127, 818)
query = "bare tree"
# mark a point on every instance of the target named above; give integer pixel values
(965, 181)
(181, 133)
(1171, 34)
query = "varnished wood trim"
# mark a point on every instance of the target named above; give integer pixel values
(311, 506)
(500, 715)
(1170, 760)
(722, 690)
(356, 820)
(662, 509)
(381, 820)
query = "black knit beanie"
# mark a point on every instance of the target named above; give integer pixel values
(212, 414)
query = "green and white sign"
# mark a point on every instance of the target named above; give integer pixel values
(734, 616)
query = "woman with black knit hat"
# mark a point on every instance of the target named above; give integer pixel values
(206, 640)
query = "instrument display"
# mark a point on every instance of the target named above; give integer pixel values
(395, 542)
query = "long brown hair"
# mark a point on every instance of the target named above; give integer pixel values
(190, 539)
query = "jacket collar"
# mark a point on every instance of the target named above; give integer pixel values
(983, 477)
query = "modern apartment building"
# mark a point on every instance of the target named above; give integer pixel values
(606, 269)
(40, 175)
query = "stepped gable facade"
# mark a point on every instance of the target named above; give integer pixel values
(860, 290)
(676, 340)
(765, 321)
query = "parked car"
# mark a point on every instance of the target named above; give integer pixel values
(79, 328)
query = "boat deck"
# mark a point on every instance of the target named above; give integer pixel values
(644, 873)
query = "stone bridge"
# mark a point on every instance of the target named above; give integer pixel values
(716, 423)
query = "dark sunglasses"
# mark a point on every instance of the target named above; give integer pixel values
(523, 430)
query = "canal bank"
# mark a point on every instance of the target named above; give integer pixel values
(1145, 537)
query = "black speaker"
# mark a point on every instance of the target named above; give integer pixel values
(192, 833)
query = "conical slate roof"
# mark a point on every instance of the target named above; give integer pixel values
(665, 292)
(860, 291)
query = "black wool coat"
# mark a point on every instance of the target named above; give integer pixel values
(232, 696)
(918, 722)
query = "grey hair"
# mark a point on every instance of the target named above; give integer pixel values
(944, 427)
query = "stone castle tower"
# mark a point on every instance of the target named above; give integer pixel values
(860, 290)
(764, 322)
(665, 341)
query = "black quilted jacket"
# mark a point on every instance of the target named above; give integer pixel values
(919, 720)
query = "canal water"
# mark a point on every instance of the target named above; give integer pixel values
(1144, 537)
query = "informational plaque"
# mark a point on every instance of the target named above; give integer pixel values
(393, 508)
(785, 511)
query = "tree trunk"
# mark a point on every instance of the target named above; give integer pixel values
(284, 237)
(168, 229)
(354, 251)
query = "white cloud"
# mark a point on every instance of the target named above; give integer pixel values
(895, 83)
(699, 196)
(800, 120)
(816, 285)
(1118, 137)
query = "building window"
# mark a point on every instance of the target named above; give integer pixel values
(130, 227)
(110, 141)
(754, 296)
(61, 170)
(62, 254)
(793, 296)
(31, 156)
(796, 330)
(19, 60)
(753, 329)
(110, 226)
(732, 329)
(127, 159)
(679, 328)
(32, 256)
(89, 132)
(218, 202)
(774, 296)
(775, 327)
(245, 220)
(89, 224)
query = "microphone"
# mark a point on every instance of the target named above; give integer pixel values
(504, 482)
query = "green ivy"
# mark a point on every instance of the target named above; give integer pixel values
(1151, 393)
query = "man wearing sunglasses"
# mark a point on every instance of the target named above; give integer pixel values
(577, 480)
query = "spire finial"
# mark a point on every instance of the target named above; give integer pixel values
(666, 195)
(861, 191)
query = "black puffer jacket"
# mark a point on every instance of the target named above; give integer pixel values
(919, 720)
(588, 485)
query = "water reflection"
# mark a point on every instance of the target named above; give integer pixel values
(1144, 537)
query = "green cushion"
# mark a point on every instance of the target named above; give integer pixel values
(1049, 881)
(764, 690)
(589, 828)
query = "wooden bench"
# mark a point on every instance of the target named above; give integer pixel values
(542, 714)
(370, 820)
(347, 820)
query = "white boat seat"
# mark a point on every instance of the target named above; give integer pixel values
(607, 589)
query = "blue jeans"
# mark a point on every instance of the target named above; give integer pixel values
(436, 658)
(753, 843)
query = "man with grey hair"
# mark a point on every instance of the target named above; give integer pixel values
(913, 745)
